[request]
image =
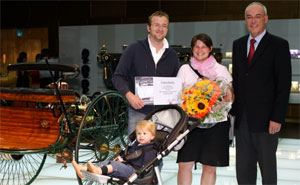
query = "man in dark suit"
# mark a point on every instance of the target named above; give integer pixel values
(262, 88)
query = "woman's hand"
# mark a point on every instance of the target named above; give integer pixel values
(229, 96)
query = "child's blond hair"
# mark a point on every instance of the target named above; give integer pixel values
(146, 125)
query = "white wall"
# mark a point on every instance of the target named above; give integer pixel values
(72, 39)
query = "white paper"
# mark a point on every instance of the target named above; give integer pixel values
(159, 90)
(144, 89)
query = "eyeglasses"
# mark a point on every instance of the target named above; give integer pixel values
(157, 26)
(258, 16)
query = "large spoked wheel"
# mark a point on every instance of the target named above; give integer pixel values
(20, 169)
(103, 129)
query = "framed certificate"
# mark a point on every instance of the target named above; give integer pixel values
(158, 90)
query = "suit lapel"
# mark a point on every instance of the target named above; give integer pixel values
(244, 52)
(260, 48)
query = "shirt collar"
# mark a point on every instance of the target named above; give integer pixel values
(258, 38)
(165, 42)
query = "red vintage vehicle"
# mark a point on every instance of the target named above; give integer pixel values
(35, 123)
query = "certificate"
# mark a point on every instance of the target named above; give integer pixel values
(158, 90)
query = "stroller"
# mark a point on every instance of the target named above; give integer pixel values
(172, 128)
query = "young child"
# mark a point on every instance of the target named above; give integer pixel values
(145, 133)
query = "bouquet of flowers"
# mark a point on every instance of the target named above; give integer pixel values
(207, 100)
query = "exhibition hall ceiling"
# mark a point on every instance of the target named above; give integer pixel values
(15, 14)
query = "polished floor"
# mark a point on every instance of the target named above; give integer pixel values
(288, 156)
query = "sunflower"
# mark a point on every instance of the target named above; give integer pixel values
(201, 108)
(195, 105)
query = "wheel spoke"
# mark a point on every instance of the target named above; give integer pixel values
(20, 169)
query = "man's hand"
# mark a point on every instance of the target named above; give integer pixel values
(134, 100)
(274, 127)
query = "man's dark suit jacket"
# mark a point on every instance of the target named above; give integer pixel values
(262, 89)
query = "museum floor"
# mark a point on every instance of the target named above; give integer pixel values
(288, 158)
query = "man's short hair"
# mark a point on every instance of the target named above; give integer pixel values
(259, 4)
(159, 14)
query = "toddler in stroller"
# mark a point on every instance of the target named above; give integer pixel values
(171, 130)
(139, 153)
